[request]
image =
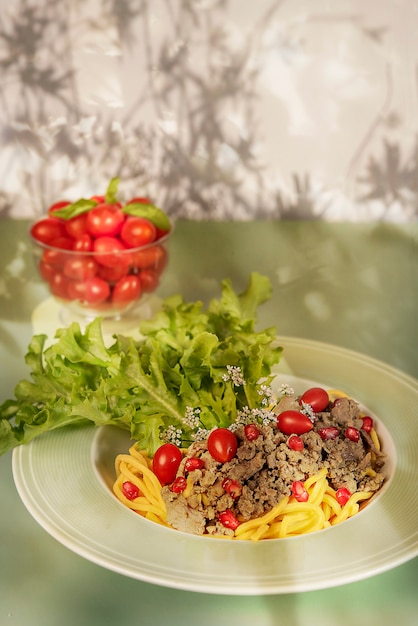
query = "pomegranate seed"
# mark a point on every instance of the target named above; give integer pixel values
(251, 432)
(295, 443)
(228, 519)
(299, 491)
(193, 463)
(352, 433)
(130, 490)
(179, 485)
(367, 423)
(342, 496)
(328, 432)
(232, 487)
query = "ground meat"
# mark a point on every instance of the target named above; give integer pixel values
(266, 467)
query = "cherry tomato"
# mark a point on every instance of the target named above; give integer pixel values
(58, 205)
(222, 445)
(154, 257)
(149, 280)
(161, 233)
(316, 397)
(54, 257)
(127, 289)
(104, 220)
(77, 226)
(141, 200)
(109, 249)
(112, 274)
(63, 243)
(80, 268)
(59, 285)
(46, 270)
(83, 243)
(48, 229)
(293, 422)
(98, 199)
(137, 231)
(166, 462)
(93, 290)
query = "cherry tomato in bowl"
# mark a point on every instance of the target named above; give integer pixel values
(89, 267)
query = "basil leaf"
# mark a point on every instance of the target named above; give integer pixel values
(112, 190)
(150, 212)
(76, 208)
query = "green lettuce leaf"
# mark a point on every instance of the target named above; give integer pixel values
(151, 386)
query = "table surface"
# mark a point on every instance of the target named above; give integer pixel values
(353, 285)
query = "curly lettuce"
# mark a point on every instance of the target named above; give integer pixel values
(152, 385)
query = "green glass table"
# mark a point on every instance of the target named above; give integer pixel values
(352, 285)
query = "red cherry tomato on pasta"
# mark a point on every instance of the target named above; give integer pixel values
(222, 445)
(316, 397)
(166, 462)
(293, 422)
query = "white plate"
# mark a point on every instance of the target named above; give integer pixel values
(62, 478)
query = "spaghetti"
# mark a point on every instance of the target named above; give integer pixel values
(287, 519)
(313, 506)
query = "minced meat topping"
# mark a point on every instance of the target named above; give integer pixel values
(264, 469)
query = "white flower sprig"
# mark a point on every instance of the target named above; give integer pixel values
(234, 374)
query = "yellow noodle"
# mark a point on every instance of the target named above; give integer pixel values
(375, 439)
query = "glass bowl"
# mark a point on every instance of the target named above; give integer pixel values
(109, 284)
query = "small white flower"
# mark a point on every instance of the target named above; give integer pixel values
(172, 435)
(234, 374)
(286, 390)
(308, 411)
(192, 417)
(200, 434)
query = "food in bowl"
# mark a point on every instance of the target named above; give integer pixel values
(307, 463)
(100, 256)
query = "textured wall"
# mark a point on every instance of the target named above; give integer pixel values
(217, 109)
